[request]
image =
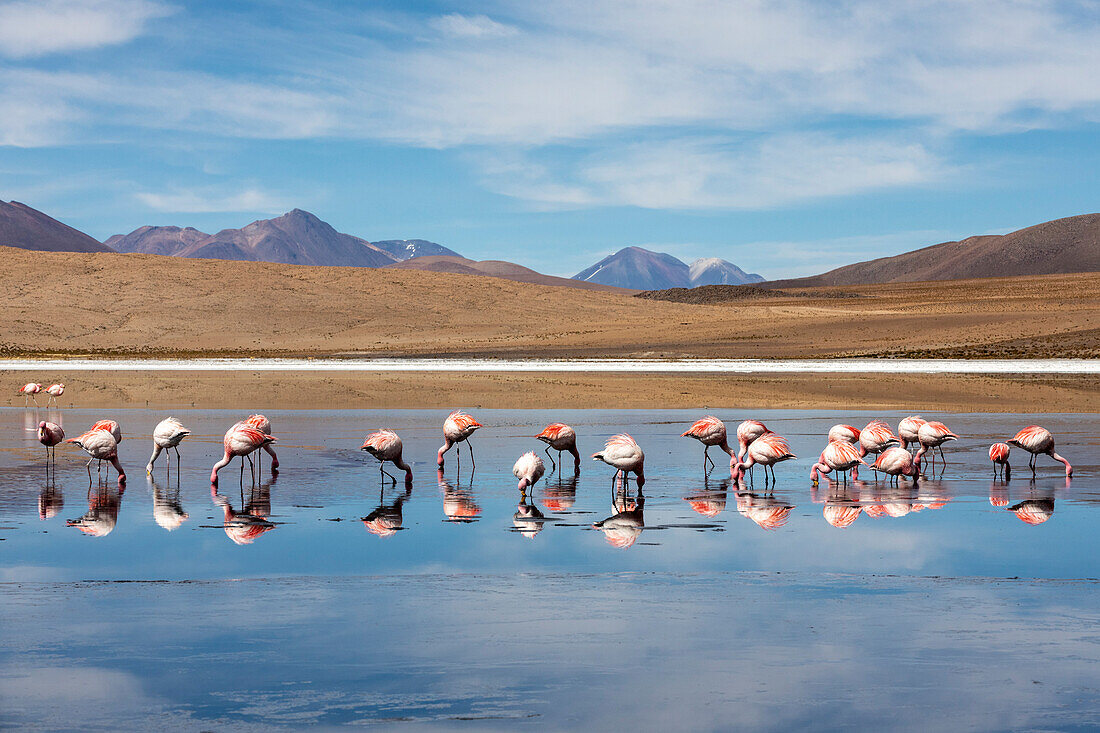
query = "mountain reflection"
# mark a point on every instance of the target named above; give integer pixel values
(623, 528)
(103, 504)
(245, 526)
(386, 519)
(458, 503)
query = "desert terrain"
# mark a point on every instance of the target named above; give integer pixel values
(133, 305)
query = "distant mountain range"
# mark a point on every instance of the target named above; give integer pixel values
(1059, 246)
(26, 228)
(492, 268)
(642, 269)
(407, 249)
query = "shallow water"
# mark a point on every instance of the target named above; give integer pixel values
(708, 606)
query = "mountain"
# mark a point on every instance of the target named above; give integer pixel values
(641, 269)
(156, 240)
(638, 269)
(407, 249)
(715, 271)
(492, 268)
(1054, 247)
(27, 228)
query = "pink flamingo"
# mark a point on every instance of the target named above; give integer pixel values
(101, 446)
(30, 389)
(528, 470)
(457, 428)
(907, 430)
(49, 435)
(709, 431)
(844, 433)
(998, 453)
(1038, 440)
(240, 440)
(385, 445)
(54, 391)
(767, 450)
(933, 435)
(747, 432)
(168, 434)
(111, 427)
(839, 455)
(895, 461)
(262, 424)
(875, 438)
(624, 454)
(560, 436)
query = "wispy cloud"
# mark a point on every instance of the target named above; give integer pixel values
(249, 200)
(471, 26)
(38, 27)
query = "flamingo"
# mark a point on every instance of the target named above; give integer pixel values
(102, 446)
(111, 427)
(30, 389)
(1036, 440)
(560, 436)
(839, 455)
(528, 470)
(709, 431)
(262, 424)
(747, 432)
(385, 445)
(49, 435)
(932, 435)
(54, 391)
(875, 438)
(907, 430)
(623, 453)
(240, 440)
(844, 433)
(169, 433)
(457, 428)
(767, 450)
(998, 453)
(895, 461)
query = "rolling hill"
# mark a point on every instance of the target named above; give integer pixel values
(27, 228)
(494, 268)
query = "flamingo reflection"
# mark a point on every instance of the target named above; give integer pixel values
(528, 519)
(561, 495)
(1037, 507)
(245, 526)
(842, 507)
(458, 503)
(623, 528)
(167, 507)
(50, 500)
(711, 500)
(103, 504)
(765, 510)
(386, 519)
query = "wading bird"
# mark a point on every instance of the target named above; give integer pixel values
(240, 440)
(1038, 440)
(623, 453)
(767, 450)
(111, 427)
(262, 424)
(709, 431)
(30, 389)
(895, 461)
(457, 428)
(932, 435)
(169, 433)
(49, 435)
(528, 470)
(907, 430)
(560, 436)
(875, 438)
(839, 455)
(844, 433)
(101, 446)
(385, 445)
(998, 454)
(747, 432)
(54, 391)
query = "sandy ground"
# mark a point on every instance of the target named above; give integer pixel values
(448, 390)
(64, 303)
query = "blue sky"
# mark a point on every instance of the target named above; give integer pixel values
(788, 137)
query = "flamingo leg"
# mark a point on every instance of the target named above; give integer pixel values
(553, 466)
(470, 447)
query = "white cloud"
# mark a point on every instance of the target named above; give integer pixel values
(38, 27)
(471, 26)
(209, 201)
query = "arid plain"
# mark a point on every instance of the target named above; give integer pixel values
(144, 305)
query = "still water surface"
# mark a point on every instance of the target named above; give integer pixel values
(325, 596)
